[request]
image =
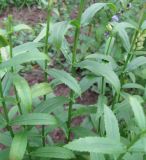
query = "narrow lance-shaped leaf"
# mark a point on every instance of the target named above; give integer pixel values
(57, 33)
(121, 29)
(29, 46)
(3, 41)
(24, 92)
(34, 119)
(5, 139)
(4, 154)
(143, 26)
(40, 89)
(111, 124)
(102, 70)
(53, 152)
(51, 104)
(90, 12)
(23, 58)
(138, 112)
(96, 156)
(18, 146)
(133, 86)
(20, 27)
(135, 63)
(96, 145)
(66, 78)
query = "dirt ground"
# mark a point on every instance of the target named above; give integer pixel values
(29, 16)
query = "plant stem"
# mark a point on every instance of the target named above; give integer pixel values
(131, 144)
(103, 81)
(9, 128)
(49, 9)
(10, 32)
(107, 53)
(130, 55)
(73, 69)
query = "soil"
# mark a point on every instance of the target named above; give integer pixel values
(25, 15)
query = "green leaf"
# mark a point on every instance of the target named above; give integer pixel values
(109, 45)
(4, 154)
(102, 70)
(20, 27)
(90, 12)
(103, 58)
(82, 132)
(138, 112)
(57, 33)
(3, 41)
(24, 92)
(66, 78)
(34, 119)
(100, 106)
(66, 51)
(3, 122)
(87, 82)
(6, 83)
(86, 110)
(53, 152)
(96, 156)
(29, 46)
(18, 146)
(121, 29)
(96, 145)
(135, 63)
(51, 104)
(133, 85)
(5, 139)
(41, 34)
(139, 146)
(23, 58)
(40, 89)
(143, 26)
(111, 124)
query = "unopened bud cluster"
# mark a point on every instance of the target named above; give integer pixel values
(140, 41)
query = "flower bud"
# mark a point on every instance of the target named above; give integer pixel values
(139, 44)
(109, 27)
(139, 48)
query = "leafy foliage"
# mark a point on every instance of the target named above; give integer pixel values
(100, 50)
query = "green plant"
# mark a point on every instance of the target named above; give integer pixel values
(115, 126)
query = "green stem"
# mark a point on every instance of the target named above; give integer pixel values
(49, 9)
(107, 53)
(73, 69)
(130, 55)
(103, 81)
(10, 33)
(132, 143)
(9, 128)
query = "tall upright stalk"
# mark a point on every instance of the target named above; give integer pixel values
(103, 79)
(129, 55)
(49, 9)
(10, 33)
(73, 69)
